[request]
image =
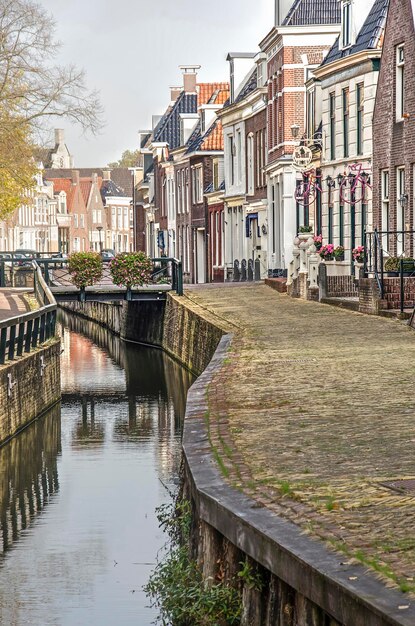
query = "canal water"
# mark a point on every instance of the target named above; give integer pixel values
(79, 488)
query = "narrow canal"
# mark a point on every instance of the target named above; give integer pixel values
(79, 487)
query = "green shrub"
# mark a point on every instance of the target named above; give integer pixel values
(85, 268)
(131, 268)
(176, 585)
(393, 264)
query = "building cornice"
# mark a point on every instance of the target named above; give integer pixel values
(346, 62)
(313, 29)
(235, 111)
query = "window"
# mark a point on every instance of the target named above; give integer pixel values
(385, 206)
(75, 220)
(197, 185)
(239, 154)
(332, 126)
(345, 100)
(250, 162)
(360, 101)
(231, 160)
(311, 112)
(346, 24)
(400, 189)
(400, 83)
(330, 215)
(341, 225)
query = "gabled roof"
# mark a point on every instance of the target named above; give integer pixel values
(168, 128)
(250, 85)
(64, 184)
(109, 188)
(370, 36)
(210, 141)
(121, 176)
(313, 12)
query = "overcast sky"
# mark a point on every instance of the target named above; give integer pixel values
(131, 50)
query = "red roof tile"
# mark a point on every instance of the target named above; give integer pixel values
(214, 140)
(212, 93)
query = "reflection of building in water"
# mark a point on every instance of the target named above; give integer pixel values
(28, 476)
(149, 397)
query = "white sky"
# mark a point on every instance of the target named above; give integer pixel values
(131, 51)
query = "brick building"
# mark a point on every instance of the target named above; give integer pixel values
(181, 171)
(304, 31)
(394, 133)
(346, 84)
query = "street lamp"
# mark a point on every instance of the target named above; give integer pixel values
(99, 229)
(295, 129)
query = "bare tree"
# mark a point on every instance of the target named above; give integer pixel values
(32, 86)
(33, 91)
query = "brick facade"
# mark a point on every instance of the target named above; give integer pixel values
(394, 141)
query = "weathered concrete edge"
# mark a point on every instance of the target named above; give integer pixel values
(277, 544)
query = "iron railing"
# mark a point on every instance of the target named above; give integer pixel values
(383, 245)
(166, 271)
(26, 332)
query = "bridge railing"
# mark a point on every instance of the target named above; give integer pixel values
(24, 333)
(15, 270)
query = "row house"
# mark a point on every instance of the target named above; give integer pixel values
(394, 134)
(304, 32)
(244, 120)
(183, 143)
(245, 151)
(34, 226)
(73, 232)
(105, 212)
(339, 193)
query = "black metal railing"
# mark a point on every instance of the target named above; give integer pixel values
(389, 254)
(15, 270)
(25, 332)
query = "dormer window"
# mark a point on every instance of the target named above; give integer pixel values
(346, 24)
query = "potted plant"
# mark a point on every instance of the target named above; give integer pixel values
(318, 242)
(327, 252)
(85, 269)
(358, 254)
(305, 230)
(339, 253)
(131, 269)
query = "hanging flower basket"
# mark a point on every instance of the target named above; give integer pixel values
(85, 269)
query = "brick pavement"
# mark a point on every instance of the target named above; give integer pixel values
(313, 410)
(13, 302)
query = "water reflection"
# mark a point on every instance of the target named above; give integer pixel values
(91, 478)
(28, 477)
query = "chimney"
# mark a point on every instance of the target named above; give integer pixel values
(189, 77)
(59, 136)
(175, 93)
(282, 8)
(94, 178)
(106, 175)
(75, 177)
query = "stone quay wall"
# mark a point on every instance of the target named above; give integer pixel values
(29, 386)
(304, 584)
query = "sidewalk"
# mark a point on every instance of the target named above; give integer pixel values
(312, 413)
(13, 302)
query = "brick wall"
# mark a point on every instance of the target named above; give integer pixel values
(341, 287)
(394, 143)
(33, 393)
(392, 292)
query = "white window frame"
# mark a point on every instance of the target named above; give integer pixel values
(346, 32)
(400, 217)
(385, 188)
(400, 82)
(250, 164)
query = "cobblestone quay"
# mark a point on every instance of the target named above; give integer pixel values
(313, 416)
